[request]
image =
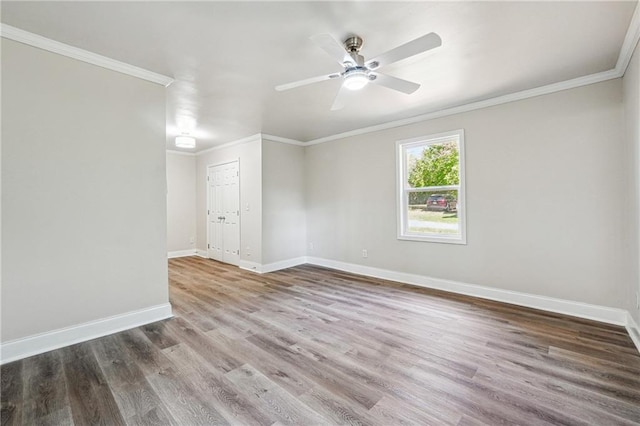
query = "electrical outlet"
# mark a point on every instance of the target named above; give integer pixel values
(192, 240)
(248, 251)
(365, 253)
(310, 246)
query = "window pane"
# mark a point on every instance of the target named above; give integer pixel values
(433, 165)
(433, 212)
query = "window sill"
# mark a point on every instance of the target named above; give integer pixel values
(434, 239)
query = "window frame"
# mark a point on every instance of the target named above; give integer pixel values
(403, 189)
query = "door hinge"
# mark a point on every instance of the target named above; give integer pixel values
(208, 246)
(238, 173)
(208, 212)
(208, 177)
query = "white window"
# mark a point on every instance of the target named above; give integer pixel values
(431, 188)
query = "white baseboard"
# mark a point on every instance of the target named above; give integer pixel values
(32, 345)
(181, 253)
(250, 266)
(633, 330)
(283, 264)
(272, 267)
(568, 307)
(577, 309)
(202, 253)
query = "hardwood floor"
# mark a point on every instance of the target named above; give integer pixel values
(310, 346)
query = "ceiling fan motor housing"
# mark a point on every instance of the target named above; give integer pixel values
(353, 45)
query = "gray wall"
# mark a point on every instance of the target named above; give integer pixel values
(283, 202)
(181, 202)
(272, 186)
(250, 156)
(545, 198)
(631, 87)
(83, 192)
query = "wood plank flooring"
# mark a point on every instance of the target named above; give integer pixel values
(312, 346)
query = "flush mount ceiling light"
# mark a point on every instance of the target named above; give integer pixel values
(185, 141)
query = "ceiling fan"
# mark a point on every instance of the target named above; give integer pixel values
(358, 72)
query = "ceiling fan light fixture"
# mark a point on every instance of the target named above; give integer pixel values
(185, 141)
(356, 79)
(357, 72)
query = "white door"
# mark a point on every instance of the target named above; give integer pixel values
(223, 212)
(214, 212)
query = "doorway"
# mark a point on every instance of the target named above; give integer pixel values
(223, 212)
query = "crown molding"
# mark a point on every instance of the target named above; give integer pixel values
(512, 97)
(174, 152)
(626, 52)
(25, 37)
(630, 42)
(282, 140)
(252, 138)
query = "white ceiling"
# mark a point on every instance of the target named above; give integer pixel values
(226, 57)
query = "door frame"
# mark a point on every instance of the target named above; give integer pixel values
(206, 185)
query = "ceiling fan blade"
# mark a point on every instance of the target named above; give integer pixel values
(342, 98)
(395, 83)
(419, 45)
(306, 81)
(333, 48)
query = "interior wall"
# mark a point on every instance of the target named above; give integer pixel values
(283, 202)
(181, 202)
(250, 156)
(83, 192)
(631, 90)
(544, 192)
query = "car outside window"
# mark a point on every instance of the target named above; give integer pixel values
(431, 188)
